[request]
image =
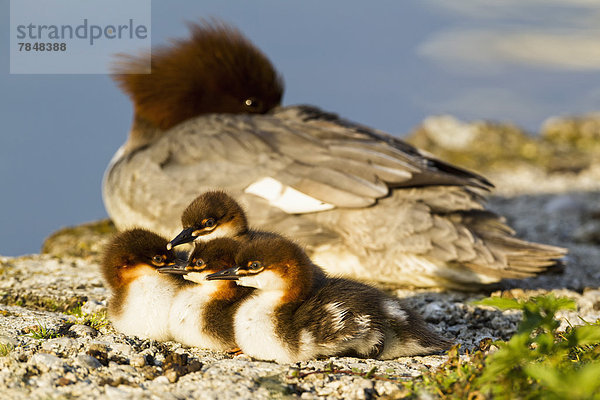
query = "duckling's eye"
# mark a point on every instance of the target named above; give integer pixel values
(253, 103)
(158, 260)
(199, 262)
(254, 266)
(209, 223)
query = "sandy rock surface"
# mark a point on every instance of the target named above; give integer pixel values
(58, 345)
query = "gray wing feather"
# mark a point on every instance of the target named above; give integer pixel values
(329, 159)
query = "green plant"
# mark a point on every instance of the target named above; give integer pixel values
(5, 349)
(96, 320)
(41, 331)
(538, 362)
(76, 310)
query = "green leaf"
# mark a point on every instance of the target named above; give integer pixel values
(371, 372)
(574, 384)
(587, 379)
(531, 321)
(499, 302)
(546, 375)
(549, 304)
(560, 303)
(587, 334)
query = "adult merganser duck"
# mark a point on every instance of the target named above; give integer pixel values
(211, 215)
(202, 314)
(364, 203)
(297, 313)
(141, 297)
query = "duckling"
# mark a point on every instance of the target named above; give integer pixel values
(140, 297)
(201, 314)
(211, 215)
(366, 204)
(298, 313)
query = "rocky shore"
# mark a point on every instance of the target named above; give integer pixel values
(55, 340)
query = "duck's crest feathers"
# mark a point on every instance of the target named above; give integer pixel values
(215, 70)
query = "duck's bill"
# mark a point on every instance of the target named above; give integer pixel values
(230, 274)
(185, 236)
(176, 269)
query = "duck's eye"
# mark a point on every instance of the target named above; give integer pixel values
(210, 222)
(199, 262)
(158, 260)
(253, 103)
(254, 266)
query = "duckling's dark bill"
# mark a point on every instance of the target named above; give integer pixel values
(225, 275)
(176, 269)
(185, 236)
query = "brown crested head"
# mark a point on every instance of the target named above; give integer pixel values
(212, 211)
(133, 253)
(273, 251)
(215, 70)
(213, 256)
(282, 257)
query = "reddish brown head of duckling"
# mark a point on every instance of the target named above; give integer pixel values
(211, 215)
(274, 263)
(134, 253)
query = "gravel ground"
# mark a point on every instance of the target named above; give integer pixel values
(40, 293)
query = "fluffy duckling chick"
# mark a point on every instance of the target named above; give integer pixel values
(211, 215)
(296, 313)
(141, 297)
(202, 314)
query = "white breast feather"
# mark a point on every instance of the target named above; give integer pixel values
(146, 308)
(255, 328)
(186, 318)
(285, 197)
